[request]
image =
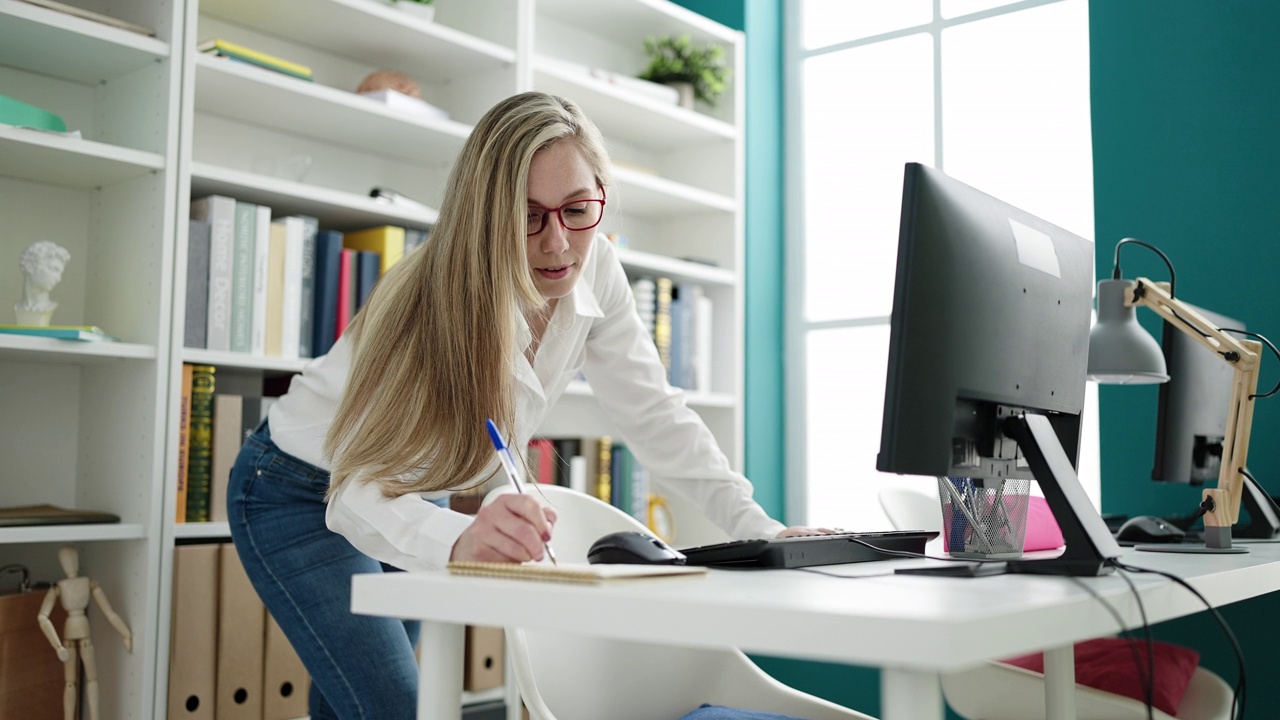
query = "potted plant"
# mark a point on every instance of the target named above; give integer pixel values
(699, 72)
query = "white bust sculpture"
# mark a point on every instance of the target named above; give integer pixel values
(42, 264)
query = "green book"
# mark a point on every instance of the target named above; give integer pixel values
(200, 444)
(87, 333)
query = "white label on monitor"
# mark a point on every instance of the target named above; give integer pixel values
(1035, 249)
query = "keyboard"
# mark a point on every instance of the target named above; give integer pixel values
(807, 550)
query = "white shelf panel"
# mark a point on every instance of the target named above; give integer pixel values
(472, 697)
(24, 348)
(676, 269)
(579, 388)
(653, 196)
(269, 99)
(68, 161)
(335, 209)
(623, 22)
(370, 33)
(633, 118)
(243, 360)
(87, 532)
(203, 531)
(71, 48)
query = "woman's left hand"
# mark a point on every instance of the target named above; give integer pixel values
(800, 530)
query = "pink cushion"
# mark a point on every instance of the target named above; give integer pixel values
(1110, 665)
(1043, 532)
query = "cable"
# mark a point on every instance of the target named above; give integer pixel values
(1266, 342)
(1115, 272)
(1148, 682)
(1124, 633)
(1241, 687)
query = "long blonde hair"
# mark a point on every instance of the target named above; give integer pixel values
(433, 349)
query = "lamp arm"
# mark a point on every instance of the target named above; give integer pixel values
(1244, 356)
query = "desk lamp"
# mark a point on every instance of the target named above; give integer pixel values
(1121, 352)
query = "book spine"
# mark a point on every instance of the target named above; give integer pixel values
(291, 310)
(184, 443)
(261, 256)
(234, 49)
(704, 312)
(307, 307)
(275, 288)
(328, 259)
(228, 436)
(368, 268)
(200, 452)
(662, 322)
(220, 211)
(242, 277)
(603, 481)
(346, 290)
(195, 327)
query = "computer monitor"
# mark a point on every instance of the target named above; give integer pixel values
(1191, 423)
(988, 349)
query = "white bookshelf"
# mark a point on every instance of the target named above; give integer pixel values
(94, 425)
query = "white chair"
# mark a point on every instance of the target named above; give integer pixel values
(995, 691)
(569, 677)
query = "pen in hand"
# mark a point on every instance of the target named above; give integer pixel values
(509, 465)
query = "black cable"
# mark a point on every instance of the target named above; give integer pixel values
(1115, 272)
(1266, 342)
(1241, 687)
(1148, 682)
(1124, 633)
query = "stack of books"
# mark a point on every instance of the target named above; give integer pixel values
(240, 53)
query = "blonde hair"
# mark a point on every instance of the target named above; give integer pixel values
(433, 348)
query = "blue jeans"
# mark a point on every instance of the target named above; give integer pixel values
(360, 666)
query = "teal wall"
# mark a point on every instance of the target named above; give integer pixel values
(1186, 152)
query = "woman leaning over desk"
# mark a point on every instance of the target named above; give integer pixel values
(491, 318)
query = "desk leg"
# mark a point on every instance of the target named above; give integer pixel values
(440, 671)
(910, 695)
(1060, 683)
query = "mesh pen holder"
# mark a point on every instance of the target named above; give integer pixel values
(984, 518)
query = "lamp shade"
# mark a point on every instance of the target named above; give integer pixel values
(1120, 350)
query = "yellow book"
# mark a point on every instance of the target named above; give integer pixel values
(387, 241)
(257, 57)
(571, 572)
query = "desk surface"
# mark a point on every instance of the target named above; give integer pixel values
(893, 621)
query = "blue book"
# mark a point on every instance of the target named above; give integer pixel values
(368, 267)
(87, 333)
(328, 256)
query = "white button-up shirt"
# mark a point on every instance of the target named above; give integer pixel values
(594, 329)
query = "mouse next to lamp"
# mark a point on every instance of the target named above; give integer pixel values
(1149, 529)
(635, 548)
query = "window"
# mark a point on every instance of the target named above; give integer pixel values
(996, 94)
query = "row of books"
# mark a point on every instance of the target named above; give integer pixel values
(279, 287)
(679, 316)
(227, 656)
(212, 427)
(235, 52)
(596, 466)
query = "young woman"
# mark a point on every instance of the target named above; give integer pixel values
(508, 300)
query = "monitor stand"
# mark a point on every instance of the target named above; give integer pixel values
(1090, 547)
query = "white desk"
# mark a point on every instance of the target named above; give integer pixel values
(912, 627)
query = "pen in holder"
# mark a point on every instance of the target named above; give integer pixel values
(984, 518)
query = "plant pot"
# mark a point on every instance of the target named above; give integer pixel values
(685, 91)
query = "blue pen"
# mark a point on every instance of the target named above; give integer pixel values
(509, 464)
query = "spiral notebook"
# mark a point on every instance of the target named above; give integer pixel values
(572, 572)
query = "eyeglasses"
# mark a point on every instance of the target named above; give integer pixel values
(576, 215)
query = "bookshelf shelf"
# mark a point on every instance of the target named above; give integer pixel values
(334, 208)
(372, 32)
(243, 360)
(202, 531)
(676, 269)
(71, 162)
(631, 117)
(624, 22)
(53, 43)
(71, 533)
(21, 348)
(649, 195)
(261, 97)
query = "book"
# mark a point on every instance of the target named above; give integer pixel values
(388, 240)
(228, 436)
(243, 252)
(220, 212)
(346, 291)
(194, 327)
(261, 256)
(275, 290)
(85, 333)
(291, 306)
(328, 257)
(184, 443)
(307, 309)
(52, 515)
(239, 52)
(200, 450)
(571, 572)
(368, 269)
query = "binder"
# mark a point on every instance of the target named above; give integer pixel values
(31, 675)
(483, 657)
(193, 632)
(285, 682)
(241, 627)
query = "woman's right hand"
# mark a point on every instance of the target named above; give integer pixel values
(514, 528)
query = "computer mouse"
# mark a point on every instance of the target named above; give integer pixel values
(1149, 529)
(634, 548)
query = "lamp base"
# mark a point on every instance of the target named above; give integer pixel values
(1193, 549)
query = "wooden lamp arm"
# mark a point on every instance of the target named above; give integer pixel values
(1247, 356)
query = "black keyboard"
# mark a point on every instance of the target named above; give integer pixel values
(808, 550)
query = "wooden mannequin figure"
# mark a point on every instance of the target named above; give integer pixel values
(75, 592)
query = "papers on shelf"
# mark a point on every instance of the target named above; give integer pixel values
(656, 92)
(399, 101)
